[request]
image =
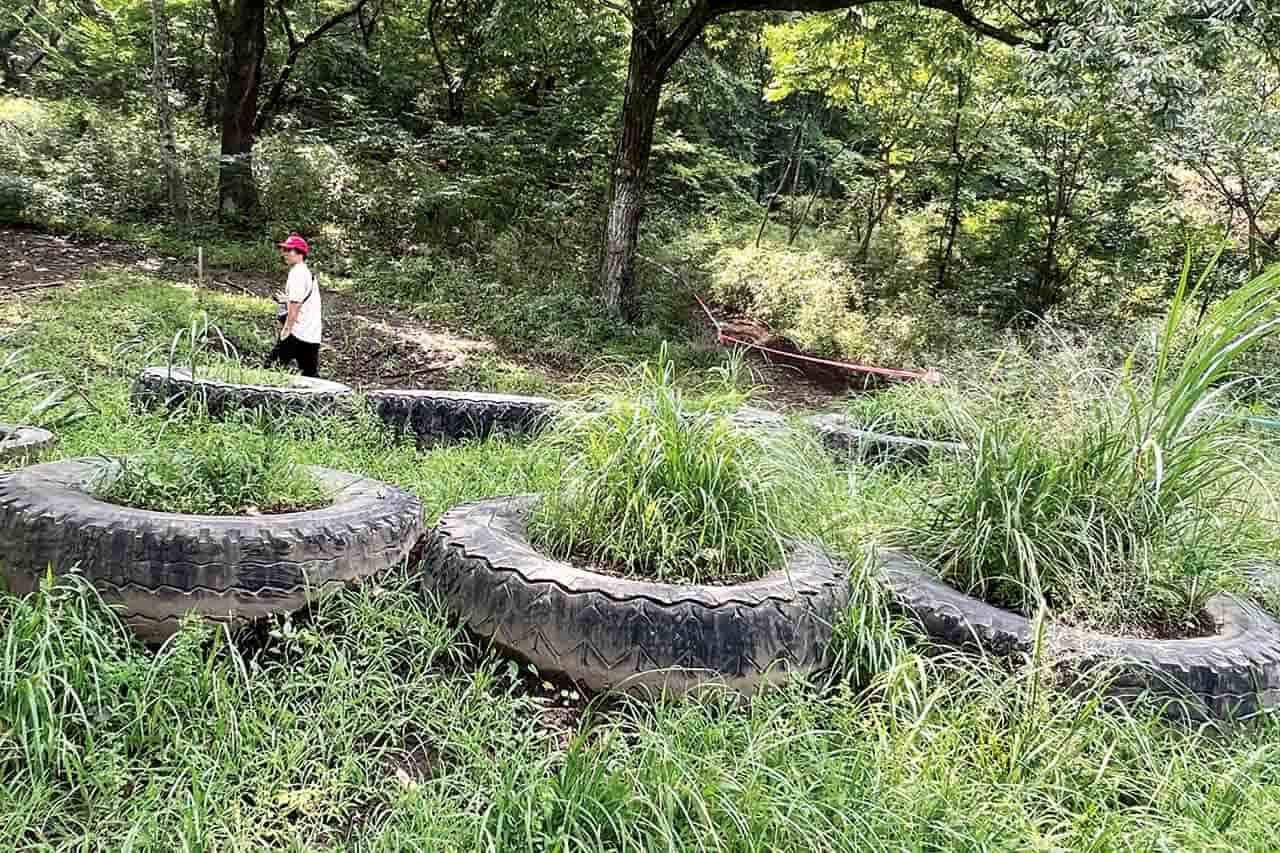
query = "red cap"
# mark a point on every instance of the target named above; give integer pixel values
(295, 242)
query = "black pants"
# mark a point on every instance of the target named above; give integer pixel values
(291, 349)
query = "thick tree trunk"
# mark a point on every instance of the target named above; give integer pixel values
(243, 44)
(164, 111)
(630, 172)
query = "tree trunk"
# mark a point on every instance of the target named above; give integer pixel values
(630, 171)
(952, 226)
(243, 44)
(653, 53)
(164, 111)
(457, 101)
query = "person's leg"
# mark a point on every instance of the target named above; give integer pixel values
(308, 358)
(285, 351)
(279, 353)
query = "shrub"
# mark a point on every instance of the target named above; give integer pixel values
(659, 484)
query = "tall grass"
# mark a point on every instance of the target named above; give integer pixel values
(223, 469)
(660, 483)
(1134, 517)
(372, 724)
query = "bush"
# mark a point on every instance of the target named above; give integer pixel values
(916, 410)
(658, 484)
(818, 301)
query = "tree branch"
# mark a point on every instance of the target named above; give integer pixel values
(288, 27)
(955, 8)
(702, 12)
(218, 15)
(432, 11)
(296, 47)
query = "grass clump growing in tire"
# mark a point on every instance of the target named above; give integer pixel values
(914, 410)
(661, 484)
(1130, 522)
(219, 469)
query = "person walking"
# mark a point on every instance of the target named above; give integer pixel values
(299, 317)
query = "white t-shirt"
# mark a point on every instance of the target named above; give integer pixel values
(307, 326)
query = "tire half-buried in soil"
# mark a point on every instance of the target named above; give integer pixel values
(154, 567)
(608, 632)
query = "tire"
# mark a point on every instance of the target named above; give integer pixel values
(1232, 674)
(610, 633)
(156, 566)
(435, 416)
(20, 444)
(161, 387)
(840, 436)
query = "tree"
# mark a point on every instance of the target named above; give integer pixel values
(659, 37)
(164, 110)
(465, 25)
(242, 26)
(1230, 138)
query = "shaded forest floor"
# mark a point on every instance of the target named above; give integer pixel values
(367, 344)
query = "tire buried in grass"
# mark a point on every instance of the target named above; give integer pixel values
(612, 633)
(154, 567)
(840, 436)
(437, 416)
(22, 443)
(162, 387)
(1231, 674)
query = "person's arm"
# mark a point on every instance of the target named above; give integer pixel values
(287, 329)
(294, 294)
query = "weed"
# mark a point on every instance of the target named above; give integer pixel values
(225, 469)
(1131, 519)
(662, 484)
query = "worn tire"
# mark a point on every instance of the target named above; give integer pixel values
(156, 566)
(162, 387)
(1233, 673)
(610, 633)
(840, 436)
(435, 416)
(19, 444)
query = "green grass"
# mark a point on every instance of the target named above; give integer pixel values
(374, 726)
(916, 410)
(237, 372)
(1130, 519)
(659, 484)
(223, 469)
(371, 723)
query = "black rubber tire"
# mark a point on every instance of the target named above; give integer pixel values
(435, 416)
(611, 633)
(1232, 674)
(20, 444)
(161, 387)
(839, 435)
(155, 566)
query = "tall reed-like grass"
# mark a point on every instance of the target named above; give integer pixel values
(661, 483)
(1133, 517)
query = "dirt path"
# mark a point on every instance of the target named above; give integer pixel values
(366, 345)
